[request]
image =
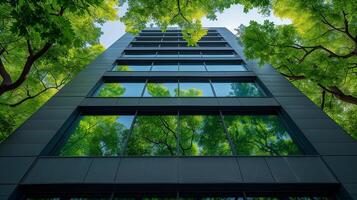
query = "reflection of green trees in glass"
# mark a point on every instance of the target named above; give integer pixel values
(202, 136)
(98, 136)
(188, 135)
(161, 90)
(120, 90)
(153, 135)
(259, 135)
(195, 89)
(111, 90)
(122, 68)
(245, 89)
(236, 89)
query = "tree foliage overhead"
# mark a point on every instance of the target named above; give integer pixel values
(29, 29)
(43, 44)
(318, 52)
(186, 14)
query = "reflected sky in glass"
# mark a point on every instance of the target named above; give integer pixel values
(203, 135)
(261, 135)
(192, 68)
(236, 89)
(132, 68)
(120, 90)
(98, 136)
(225, 68)
(195, 89)
(153, 136)
(165, 68)
(161, 90)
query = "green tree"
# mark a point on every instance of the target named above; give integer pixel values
(186, 14)
(43, 44)
(30, 29)
(317, 52)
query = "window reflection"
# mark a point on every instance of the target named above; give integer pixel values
(260, 135)
(195, 89)
(192, 68)
(98, 136)
(161, 90)
(165, 68)
(120, 90)
(203, 135)
(236, 89)
(132, 68)
(153, 136)
(225, 68)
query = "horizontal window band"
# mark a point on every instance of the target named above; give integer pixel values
(179, 48)
(179, 59)
(183, 61)
(167, 75)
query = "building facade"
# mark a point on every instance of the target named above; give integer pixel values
(154, 118)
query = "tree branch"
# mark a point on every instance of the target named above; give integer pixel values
(340, 94)
(4, 87)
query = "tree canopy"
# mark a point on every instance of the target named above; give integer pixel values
(43, 44)
(186, 14)
(317, 52)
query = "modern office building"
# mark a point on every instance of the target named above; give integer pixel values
(153, 118)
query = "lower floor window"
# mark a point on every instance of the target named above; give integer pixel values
(220, 134)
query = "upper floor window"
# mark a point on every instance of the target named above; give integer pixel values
(181, 66)
(180, 54)
(180, 88)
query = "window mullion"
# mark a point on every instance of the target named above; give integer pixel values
(129, 135)
(233, 147)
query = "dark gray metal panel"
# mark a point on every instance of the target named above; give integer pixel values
(147, 170)
(255, 170)
(6, 190)
(184, 101)
(58, 170)
(21, 149)
(310, 170)
(102, 170)
(334, 148)
(209, 170)
(281, 170)
(14, 168)
(344, 167)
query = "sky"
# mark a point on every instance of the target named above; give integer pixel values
(231, 18)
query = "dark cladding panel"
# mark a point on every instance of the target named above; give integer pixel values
(14, 168)
(255, 170)
(209, 170)
(147, 170)
(58, 170)
(102, 170)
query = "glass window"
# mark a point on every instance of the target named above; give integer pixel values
(153, 136)
(161, 90)
(128, 68)
(120, 90)
(195, 89)
(165, 68)
(260, 135)
(98, 136)
(236, 89)
(226, 68)
(192, 68)
(203, 135)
